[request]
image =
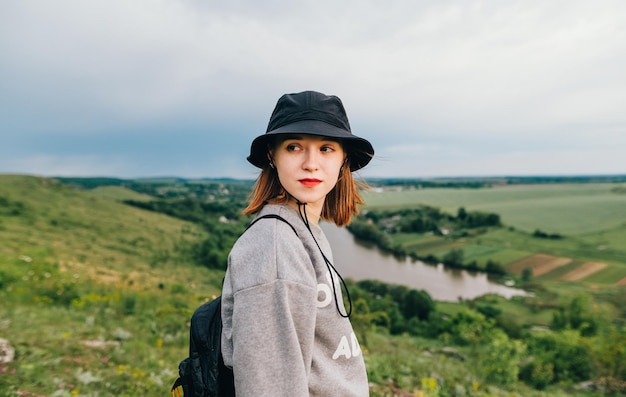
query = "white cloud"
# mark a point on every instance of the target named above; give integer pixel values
(416, 76)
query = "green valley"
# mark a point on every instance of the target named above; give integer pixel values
(99, 278)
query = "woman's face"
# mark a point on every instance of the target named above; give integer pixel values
(308, 166)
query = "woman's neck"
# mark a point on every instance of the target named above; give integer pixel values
(313, 212)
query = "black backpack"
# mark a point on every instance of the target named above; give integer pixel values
(203, 373)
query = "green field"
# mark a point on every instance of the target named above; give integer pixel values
(569, 209)
(590, 218)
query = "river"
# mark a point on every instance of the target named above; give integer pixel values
(359, 262)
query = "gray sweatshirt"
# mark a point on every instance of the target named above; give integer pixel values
(282, 334)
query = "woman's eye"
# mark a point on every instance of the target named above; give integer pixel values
(292, 148)
(327, 149)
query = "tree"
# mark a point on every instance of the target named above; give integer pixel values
(581, 315)
(494, 267)
(500, 359)
(610, 357)
(454, 257)
(527, 274)
(417, 304)
(461, 214)
(565, 351)
(469, 327)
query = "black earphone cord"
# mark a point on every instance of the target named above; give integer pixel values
(329, 265)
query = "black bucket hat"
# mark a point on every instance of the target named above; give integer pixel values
(312, 113)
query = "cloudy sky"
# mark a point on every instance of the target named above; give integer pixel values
(441, 88)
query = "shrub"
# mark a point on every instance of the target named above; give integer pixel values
(538, 374)
(565, 351)
(494, 267)
(501, 357)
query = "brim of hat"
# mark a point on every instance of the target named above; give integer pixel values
(360, 151)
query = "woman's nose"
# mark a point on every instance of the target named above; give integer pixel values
(311, 160)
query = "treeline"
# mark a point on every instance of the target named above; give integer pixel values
(193, 210)
(472, 183)
(395, 308)
(222, 221)
(380, 226)
(423, 219)
(173, 188)
(513, 180)
(485, 182)
(540, 234)
(215, 204)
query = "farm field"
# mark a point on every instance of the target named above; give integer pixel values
(589, 218)
(569, 209)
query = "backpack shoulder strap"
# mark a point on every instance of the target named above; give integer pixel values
(273, 216)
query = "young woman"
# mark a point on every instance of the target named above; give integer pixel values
(286, 330)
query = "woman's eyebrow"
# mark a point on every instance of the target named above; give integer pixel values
(302, 137)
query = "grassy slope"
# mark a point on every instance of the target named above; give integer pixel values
(76, 267)
(90, 235)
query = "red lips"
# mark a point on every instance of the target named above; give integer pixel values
(310, 182)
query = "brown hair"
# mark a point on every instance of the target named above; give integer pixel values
(340, 205)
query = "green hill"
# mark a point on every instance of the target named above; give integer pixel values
(96, 295)
(91, 235)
